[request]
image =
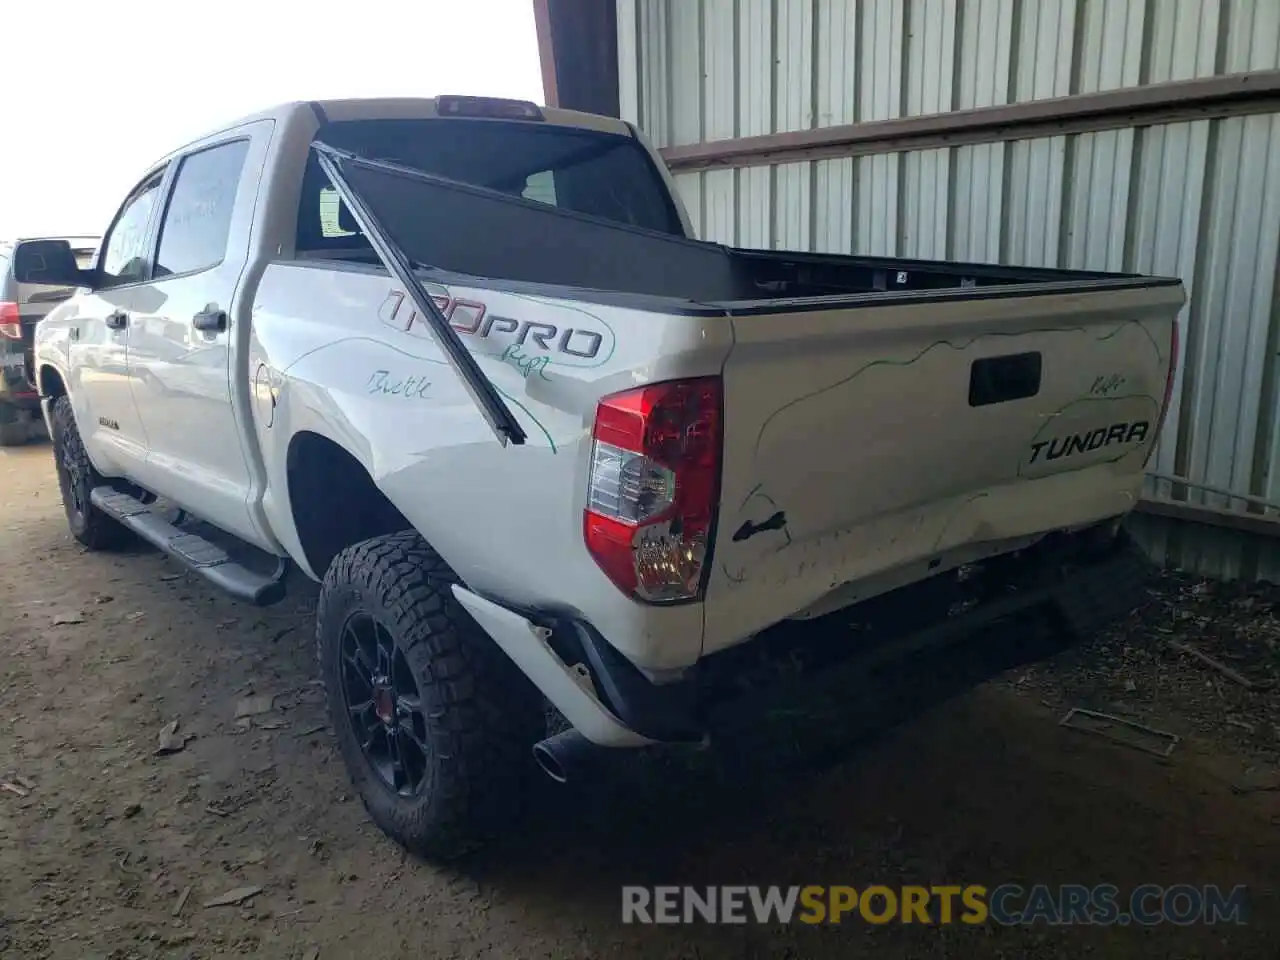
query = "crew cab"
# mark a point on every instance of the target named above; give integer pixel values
(463, 362)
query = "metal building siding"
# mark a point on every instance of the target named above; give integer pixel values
(1199, 200)
(698, 70)
(876, 59)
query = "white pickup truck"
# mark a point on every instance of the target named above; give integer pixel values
(461, 361)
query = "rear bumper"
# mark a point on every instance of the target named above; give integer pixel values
(22, 399)
(15, 389)
(1077, 583)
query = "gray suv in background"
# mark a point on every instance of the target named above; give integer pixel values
(21, 307)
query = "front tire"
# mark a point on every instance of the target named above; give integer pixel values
(434, 722)
(76, 479)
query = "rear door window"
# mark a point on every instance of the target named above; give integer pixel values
(197, 220)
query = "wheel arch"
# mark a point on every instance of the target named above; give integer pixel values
(333, 500)
(49, 381)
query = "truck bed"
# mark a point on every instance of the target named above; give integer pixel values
(478, 233)
(884, 420)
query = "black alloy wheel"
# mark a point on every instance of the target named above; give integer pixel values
(384, 706)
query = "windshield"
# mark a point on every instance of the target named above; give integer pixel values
(598, 174)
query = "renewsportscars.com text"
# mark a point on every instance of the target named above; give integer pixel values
(972, 904)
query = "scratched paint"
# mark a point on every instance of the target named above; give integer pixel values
(835, 550)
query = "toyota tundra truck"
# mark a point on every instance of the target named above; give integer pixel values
(463, 362)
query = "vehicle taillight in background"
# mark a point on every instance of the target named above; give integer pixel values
(1170, 375)
(10, 323)
(654, 487)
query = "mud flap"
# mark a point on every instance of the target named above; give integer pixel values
(1093, 597)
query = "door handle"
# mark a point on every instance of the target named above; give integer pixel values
(117, 320)
(210, 319)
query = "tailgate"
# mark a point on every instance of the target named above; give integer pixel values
(864, 440)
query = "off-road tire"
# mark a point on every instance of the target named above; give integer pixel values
(13, 426)
(76, 478)
(481, 715)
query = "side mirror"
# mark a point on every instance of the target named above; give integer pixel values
(49, 263)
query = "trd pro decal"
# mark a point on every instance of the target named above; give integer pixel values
(473, 319)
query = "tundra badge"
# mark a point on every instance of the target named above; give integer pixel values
(1072, 444)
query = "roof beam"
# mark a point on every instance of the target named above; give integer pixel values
(1232, 95)
(578, 52)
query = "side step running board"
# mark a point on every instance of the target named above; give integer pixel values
(196, 553)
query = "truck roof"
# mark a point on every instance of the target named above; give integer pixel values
(400, 108)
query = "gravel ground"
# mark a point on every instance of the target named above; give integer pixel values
(1202, 661)
(118, 827)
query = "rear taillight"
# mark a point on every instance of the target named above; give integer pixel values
(10, 323)
(1170, 375)
(654, 486)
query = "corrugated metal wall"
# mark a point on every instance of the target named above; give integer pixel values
(1199, 200)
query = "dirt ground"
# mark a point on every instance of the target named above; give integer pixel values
(102, 836)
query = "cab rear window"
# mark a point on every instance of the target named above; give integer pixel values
(590, 172)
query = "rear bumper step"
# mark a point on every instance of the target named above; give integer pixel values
(194, 552)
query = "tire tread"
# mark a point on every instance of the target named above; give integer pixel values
(482, 712)
(100, 531)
